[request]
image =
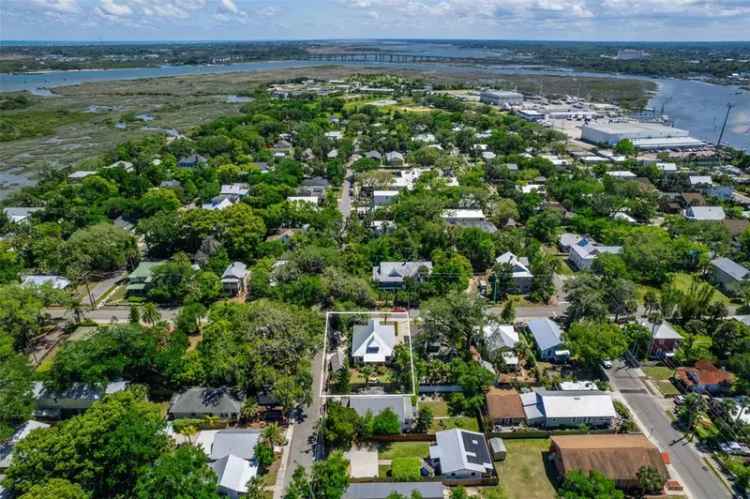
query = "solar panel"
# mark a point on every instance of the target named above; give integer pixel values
(476, 448)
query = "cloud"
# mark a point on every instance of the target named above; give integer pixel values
(111, 8)
(229, 6)
(63, 6)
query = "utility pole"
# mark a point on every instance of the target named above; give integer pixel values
(724, 126)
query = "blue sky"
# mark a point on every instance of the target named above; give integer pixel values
(627, 20)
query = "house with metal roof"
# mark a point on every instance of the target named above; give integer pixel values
(522, 276)
(394, 158)
(568, 408)
(56, 281)
(391, 275)
(198, 402)
(140, 278)
(237, 442)
(19, 214)
(705, 213)
(461, 454)
(384, 490)
(233, 475)
(221, 202)
(665, 340)
(375, 404)
(234, 279)
(7, 447)
(548, 338)
(729, 275)
(585, 251)
(236, 189)
(374, 342)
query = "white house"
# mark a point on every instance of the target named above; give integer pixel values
(391, 275)
(461, 454)
(383, 198)
(233, 475)
(220, 202)
(237, 189)
(19, 214)
(502, 337)
(585, 251)
(522, 276)
(374, 342)
(554, 409)
(705, 213)
(234, 279)
(308, 200)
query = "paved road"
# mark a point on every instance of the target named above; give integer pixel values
(107, 315)
(303, 448)
(345, 201)
(687, 461)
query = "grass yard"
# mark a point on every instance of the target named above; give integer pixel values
(523, 474)
(393, 450)
(682, 281)
(667, 388)
(438, 406)
(465, 422)
(562, 267)
(658, 372)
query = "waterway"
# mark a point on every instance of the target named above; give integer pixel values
(694, 105)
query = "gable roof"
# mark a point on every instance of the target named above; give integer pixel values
(546, 332)
(234, 473)
(373, 342)
(618, 457)
(661, 331)
(708, 213)
(498, 336)
(504, 404)
(459, 449)
(731, 268)
(520, 269)
(395, 272)
(375, 404)
(426, 490)
(240, 443)
(703, 373)
(204, 400)
(236, 270)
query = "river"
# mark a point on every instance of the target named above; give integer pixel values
(694, 105)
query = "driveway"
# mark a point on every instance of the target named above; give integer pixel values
(694, 473)
(304, 448)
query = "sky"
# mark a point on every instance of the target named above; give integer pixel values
(153, 20)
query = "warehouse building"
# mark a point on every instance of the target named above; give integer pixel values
(500, 98)
(643, 135)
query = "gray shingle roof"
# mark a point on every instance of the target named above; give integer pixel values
(400, 404)
(200, 399)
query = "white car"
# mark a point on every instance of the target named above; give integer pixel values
(607, 364)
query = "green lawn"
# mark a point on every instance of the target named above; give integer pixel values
(465, 422)
(667, 388)
(658, 372)
(523, 474)
(682, 281)
(439, 407)
(394, 450)
(563, 268)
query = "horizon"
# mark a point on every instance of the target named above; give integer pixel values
(369, 39)
(605, 21)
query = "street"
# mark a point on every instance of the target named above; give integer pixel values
(345, 201)
(108, 314)
(303, 449)
(694, 474)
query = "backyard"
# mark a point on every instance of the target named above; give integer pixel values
(524, 473)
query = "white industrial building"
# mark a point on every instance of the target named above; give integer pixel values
(643, 135)
(500, 98)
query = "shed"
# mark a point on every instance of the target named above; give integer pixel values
(497, 446)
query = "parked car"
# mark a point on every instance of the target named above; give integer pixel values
(607, 364)
(679, 399)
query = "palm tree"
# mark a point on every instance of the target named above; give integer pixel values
(274, 434)
(150, 314)
(690, 413)
(249, 410)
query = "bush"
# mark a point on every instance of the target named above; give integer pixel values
(179, 425)
(386, 423)
(405, 469)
